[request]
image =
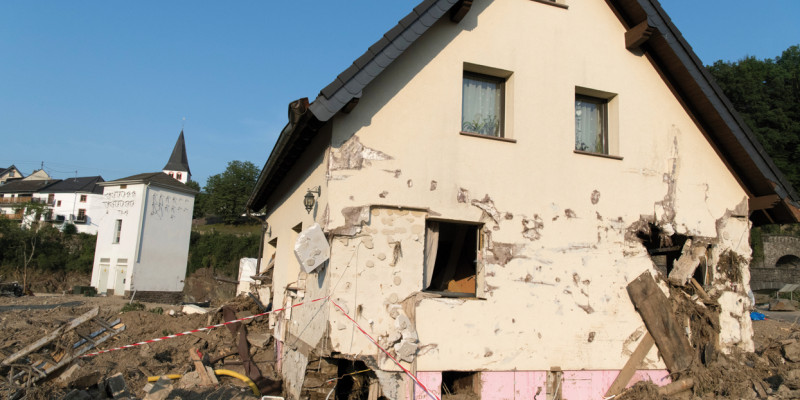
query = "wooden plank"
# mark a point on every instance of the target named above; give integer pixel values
(656, 312)
(630, 367)
(698, 288)
(51, 336)
(199, 367)
(763, 202)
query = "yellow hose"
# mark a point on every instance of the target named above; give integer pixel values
(241, 378)
(170, 376)
(226, 372)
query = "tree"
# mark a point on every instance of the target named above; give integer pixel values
(227, 193)
(199, 200)
(767, 95)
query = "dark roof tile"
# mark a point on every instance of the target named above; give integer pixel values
(178, 160)
(408, 20)
(26, 186)
(154, 178)
(86, 184)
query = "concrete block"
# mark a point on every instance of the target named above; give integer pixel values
(116, 387)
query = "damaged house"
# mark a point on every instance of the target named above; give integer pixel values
(487, 179)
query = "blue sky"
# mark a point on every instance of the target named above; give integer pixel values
(102, 87)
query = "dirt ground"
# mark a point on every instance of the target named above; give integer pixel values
(25, 319)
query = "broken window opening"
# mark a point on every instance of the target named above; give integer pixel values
(356, 381)
(463, 384)
(663, 248)
(452, 254)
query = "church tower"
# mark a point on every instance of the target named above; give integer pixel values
(178, 164)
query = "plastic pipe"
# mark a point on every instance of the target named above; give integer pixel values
(156, 378)
(241, 377)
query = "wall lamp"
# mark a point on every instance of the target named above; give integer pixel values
(309, 200)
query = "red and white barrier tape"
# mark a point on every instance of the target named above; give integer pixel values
(414, 378)
(197, 330)
(407, 372)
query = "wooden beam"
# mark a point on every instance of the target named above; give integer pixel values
(636, 36)
(51, 336)
(635, 360)
(763, 202)
(656, 312)
(460, 10)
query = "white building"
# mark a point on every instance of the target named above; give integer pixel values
(178, 164)
(143, 240)
(77, 201)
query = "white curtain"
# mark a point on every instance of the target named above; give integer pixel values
(480, 107)
(431, 248)
(589, 126)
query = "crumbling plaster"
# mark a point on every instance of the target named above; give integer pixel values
(557, 225)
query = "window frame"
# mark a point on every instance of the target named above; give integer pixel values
(83, 198)
(603, 106)
(501, 82)
(81, 214)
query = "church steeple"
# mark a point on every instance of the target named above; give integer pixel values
(178, 164)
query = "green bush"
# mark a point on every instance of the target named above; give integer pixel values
(135, 306)
(221, 251)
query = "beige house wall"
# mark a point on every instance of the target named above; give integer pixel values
(559, 227)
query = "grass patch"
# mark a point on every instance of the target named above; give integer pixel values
(136, 306)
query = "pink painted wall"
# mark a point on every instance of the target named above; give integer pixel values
(513, 385)
(528, 385)
(582, 385)
(432, 381)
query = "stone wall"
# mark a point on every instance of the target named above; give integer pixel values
(765, 274)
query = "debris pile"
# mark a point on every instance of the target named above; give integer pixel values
(46, 340)
(687, 340)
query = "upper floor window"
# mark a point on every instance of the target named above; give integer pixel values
(117, 231)
(178, 175)
(483, 104)
(597, 123)
(591, 124)
(51, 198)
(11, 174)
(83, 198)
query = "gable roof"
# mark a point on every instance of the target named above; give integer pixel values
(87, 184)
(23, 186)
(9, 169)
(159, 179)
(178, 160)
(771, 195)
(345, 91)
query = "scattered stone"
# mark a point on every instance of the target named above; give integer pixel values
(258, 339)
(116, 387)
(160, 389)
(76, 394)
(792, 351)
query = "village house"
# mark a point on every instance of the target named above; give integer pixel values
(489, 178)
(143, 239)
(15, 193)
(9, 173)
(76, 201)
